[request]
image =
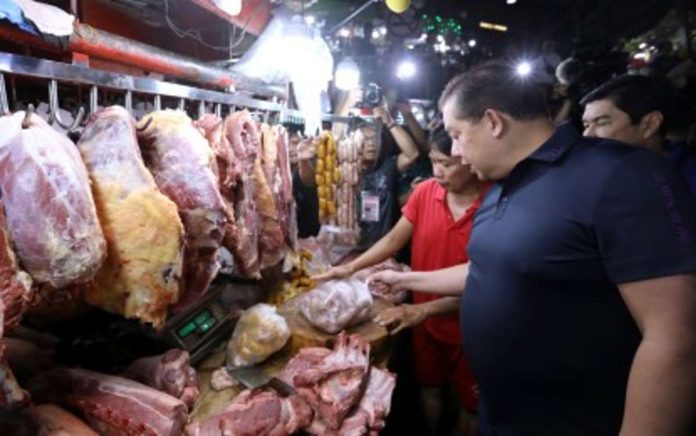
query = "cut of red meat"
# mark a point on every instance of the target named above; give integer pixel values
(52, 420)
(15, 284)
(170, 372)
(243, 136)
(49, 208)
(336, 384)
(112, 404)
(182, 162)
(257, 413)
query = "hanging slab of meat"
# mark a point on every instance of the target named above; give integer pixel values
(271, 238)
(15, 284)
(50, 212)
(170, 372)
(229, 173)
(112, 405)
(337, 304)
(181, 162)
(241, 132)
(140, 277)
(52, 420)
(258, 413)
(287, 212)
(335, 385)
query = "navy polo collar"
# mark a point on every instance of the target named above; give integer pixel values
(563, 138)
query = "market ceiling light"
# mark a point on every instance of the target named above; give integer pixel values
(511, 2)
(493, 26)
(472, 43)
(310, 19)
(347, 75)
(232, 7)
(523, 69)
(344, 32)
(406, 70)
(376, 34)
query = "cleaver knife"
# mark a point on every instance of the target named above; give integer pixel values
(254, 377)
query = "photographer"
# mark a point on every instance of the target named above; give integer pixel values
(381, 173)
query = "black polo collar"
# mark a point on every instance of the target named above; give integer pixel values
(561, 141)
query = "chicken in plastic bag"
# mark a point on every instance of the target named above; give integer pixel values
(259, 333)
(337, 304)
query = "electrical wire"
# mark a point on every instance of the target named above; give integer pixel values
(196, 34)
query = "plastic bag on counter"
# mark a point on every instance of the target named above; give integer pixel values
(337, 304)
(259, 333)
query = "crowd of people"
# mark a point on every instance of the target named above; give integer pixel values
(553, 253)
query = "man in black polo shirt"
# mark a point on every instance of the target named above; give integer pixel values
(579, 310)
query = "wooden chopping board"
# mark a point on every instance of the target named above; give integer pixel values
(306, 335)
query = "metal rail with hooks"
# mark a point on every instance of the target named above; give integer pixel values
(56, 72)
(67, 73)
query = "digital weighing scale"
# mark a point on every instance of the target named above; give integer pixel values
(206, 325)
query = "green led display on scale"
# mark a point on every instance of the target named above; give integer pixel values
(187, 329)
(203, 322)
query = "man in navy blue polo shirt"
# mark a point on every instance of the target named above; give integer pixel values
(579, 311)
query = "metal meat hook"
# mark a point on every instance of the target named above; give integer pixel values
(4, 103)
(53, 109)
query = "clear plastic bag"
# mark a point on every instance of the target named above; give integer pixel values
(259, 333)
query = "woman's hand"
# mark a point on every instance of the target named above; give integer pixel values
(336, 272)
(401, 317)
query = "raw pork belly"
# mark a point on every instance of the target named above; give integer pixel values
(140, 277)
(112, 405)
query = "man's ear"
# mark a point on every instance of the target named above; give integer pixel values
(494, 122)
(650, 124)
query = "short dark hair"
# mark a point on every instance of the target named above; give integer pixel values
(637, 96)
(495, 85)
(441, 141)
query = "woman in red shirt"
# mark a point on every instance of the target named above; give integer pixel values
(437, 219)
